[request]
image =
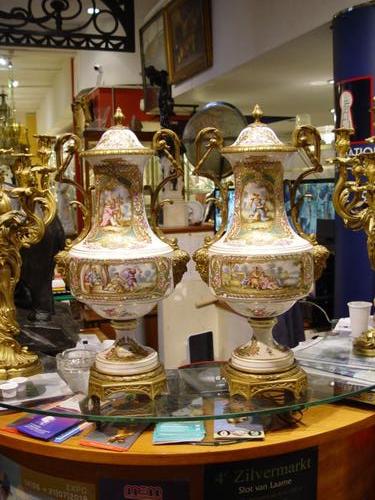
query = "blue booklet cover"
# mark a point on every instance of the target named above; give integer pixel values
(46, 427)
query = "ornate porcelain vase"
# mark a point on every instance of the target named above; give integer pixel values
(118, 266)
(260, 266)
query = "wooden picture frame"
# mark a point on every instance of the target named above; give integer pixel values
(153, 53)
(188, 38)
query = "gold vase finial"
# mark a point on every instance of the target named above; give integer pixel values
(257, 113)
(119, 116)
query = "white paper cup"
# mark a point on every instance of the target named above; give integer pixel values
(359, 312)
(8, 390)
(21, 382)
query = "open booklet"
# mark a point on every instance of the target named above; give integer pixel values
(114, 437)
(236, 427)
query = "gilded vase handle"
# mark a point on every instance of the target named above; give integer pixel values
(163, 141)
(305, 137)
(213, 139)
(308, 138)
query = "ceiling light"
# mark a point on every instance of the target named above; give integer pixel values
(93, 10)
(332, 110)
(14, 83)
(3, 61)
(331, 81)
(319, 83)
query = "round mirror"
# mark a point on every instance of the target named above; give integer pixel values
(228, 120)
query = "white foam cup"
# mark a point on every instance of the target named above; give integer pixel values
(21, 382)
(359, 312)
(8, 390)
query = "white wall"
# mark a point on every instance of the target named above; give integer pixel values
(120, 68)
(242, 30)
(245, 29)
(54, 114)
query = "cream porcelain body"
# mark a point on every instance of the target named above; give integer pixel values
(121, 269)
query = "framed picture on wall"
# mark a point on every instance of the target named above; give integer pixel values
(189, 38)
(153, 55)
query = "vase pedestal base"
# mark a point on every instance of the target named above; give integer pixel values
(151, 383)
(248, 385)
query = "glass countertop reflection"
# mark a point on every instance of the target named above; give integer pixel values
(196, 392)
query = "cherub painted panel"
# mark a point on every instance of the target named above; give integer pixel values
(116, 207)
(124, 279)
(256, 204)
(273, 275)
(115, 225)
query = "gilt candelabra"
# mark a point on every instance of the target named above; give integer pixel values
(354, 202)
(20, 227)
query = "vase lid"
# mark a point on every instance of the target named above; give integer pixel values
(257, 137)
(118, 140)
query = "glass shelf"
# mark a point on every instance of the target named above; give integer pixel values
(194, 393)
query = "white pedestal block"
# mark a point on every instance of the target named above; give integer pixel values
(178, 318)
(175, 214)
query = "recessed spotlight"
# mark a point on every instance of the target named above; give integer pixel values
(317, 83)
(14, 83)
(93, 10)
(321, 83)
(3, 61)
(331, 81)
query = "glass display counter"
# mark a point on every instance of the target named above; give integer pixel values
(193, 394)
(330, 454)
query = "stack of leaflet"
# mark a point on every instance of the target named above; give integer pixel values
(47, 427)
(178, 432)
(334, 354)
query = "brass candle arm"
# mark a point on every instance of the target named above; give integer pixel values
(64, 156)
(354, 200)
(62, 164)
